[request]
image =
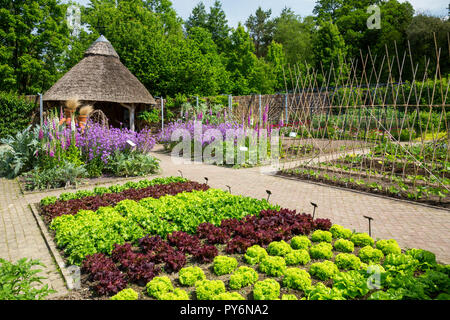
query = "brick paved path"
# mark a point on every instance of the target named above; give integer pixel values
(411, 225)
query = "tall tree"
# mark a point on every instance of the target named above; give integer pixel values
(330, 50)
(33, 39)
(217, 24)
(277, 61)
(261, 28)
(198, 18)
(296, 35)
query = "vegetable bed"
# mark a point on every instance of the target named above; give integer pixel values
(200, 243)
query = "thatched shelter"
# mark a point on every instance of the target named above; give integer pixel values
(100, 79)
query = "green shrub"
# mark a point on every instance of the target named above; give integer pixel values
(279, 248)
(388, 246)
(340, 232)
(269, 289)
(243, 277)
(300, 242)
(273, 266)
(289, 297)
(224, 265)
(321, 236)
(347, 261)
(15, 113)
(369, 254)
(229, 296)
(296, 278)
(255, 254)
(209, 289)
(159, 286)
(176, 294)
(297, 257)
(18, 280)
(190, 275)
(362, 239)
(126, 294)
(322, 250)
(343, 245)
(323, 270)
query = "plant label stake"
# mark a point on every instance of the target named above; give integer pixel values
(229, 188)
(206, 179)
(181, 173)
(269, 193)
(315, 206)
(370, 227)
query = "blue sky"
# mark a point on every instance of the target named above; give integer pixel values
(240, 10)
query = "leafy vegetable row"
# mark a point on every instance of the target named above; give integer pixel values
(89, 232)
(73, 206)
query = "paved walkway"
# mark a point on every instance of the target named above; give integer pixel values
(411, 225)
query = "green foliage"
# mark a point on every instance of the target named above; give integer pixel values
(48, 200)
(268, 289)
(352, 284)
(126, 294)
(347, 261)
(340, 232)
(322, 292)
(273, 266)
(289, 297)
(370, 255)
(279, 248)
(176, 294)
(343, 245)
(209, 289)
(300, 242)
(322, 250)
(255, 254)
(362, 240)
(229, 296)
(243, 277)
(34, 37)
(323, 270)
(388, 246)
(321, 236)
(132, 164)
(297, 257)
(400, 263)
(67, 174)
(159, 286)
(15, 113)
(295, 278)
(19, 153)
(190, 275)
(426, 258)
(224, 265)
(18, 280)
(92, 232)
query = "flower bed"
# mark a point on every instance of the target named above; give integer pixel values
(214, 245)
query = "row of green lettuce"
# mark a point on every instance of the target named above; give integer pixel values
(384, 274)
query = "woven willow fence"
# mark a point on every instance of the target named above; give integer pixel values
(375, 125)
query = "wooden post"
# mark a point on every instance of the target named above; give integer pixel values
(132, 112)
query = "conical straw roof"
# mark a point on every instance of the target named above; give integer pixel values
(100, 76)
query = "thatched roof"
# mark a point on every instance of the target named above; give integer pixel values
(100, 76)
